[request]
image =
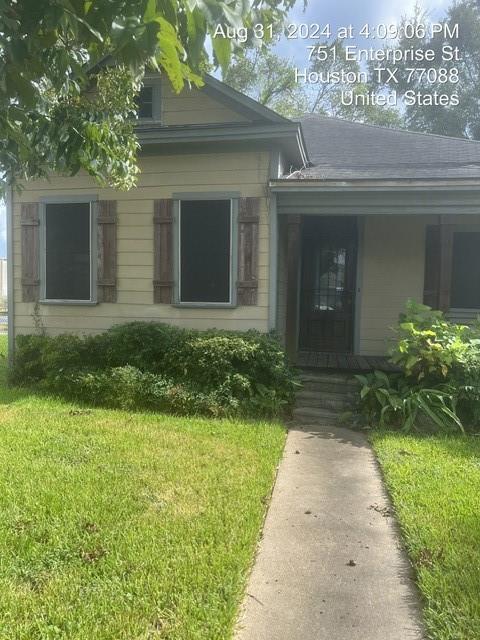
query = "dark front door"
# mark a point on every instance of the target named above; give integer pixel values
(327, 297)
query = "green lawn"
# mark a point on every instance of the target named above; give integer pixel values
(435, 486)
(126, 526)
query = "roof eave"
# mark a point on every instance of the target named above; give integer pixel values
(287, 134)
(385, 184)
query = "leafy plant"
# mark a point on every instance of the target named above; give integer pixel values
(390, 400)
(428, 346)
(438, 385)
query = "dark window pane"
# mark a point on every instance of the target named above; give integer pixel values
(205, 251)
(466, 271)
(68, 251)
(145, 102)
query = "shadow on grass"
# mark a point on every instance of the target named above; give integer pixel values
(10, 394)
(455, 445)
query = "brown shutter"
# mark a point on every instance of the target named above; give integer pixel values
(446, 266)
(163, 251)
(248, 218)
(431, 290)
(438, 266)
(30, 252)
(107, 251)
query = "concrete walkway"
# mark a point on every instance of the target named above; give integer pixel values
(330, 565)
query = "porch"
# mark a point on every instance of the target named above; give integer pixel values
(346, 264)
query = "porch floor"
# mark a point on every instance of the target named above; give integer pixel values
(342, 361)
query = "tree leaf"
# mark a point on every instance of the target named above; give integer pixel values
(222, 48)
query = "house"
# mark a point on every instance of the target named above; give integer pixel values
(320, 229)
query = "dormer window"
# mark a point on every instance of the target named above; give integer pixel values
(148, 101)
(145, 103)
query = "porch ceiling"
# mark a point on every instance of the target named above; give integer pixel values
(395, 201)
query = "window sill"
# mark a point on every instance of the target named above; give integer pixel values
(147, 121)
(74, 303)
(204, 305)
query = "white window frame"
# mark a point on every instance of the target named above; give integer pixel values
(233, 198)
(90, 200)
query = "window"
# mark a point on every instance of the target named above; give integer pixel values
(205, 251)
(465, 293)
(330, 262)
(145, 102)
(67, 252)
(148, 100)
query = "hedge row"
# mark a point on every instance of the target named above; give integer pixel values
(160, 367)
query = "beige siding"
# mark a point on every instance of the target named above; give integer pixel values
(393, 264)
(246, 173)
(194, 106)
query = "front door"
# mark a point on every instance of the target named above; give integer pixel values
(328, 283)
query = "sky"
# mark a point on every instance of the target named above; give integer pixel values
(337, 13)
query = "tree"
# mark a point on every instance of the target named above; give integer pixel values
(327, 97)
(461, 117)
(70, 71)
(269, 78)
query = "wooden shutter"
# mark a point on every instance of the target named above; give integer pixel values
(107, 250)
(30, 221)
(248, 218)
(163, 251)
(431, 289)
(438, 266)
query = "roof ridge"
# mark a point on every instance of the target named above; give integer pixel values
(379, 126)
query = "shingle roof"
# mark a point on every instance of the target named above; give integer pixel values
(343, 150)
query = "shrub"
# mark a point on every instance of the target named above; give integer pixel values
(439, 383)
(428, 346)
(157, 366)
(391, 400)
(129, 388)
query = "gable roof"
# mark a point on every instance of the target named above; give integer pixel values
(262, 126)
(344, 150)
(240, 102)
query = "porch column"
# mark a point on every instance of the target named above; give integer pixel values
(293, 265)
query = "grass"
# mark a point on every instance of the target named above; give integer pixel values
(435, 487)
(126, 526)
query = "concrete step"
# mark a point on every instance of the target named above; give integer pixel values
(329, 382)
(325, 399)
(315, 415)
(340, 388)
(334, 376)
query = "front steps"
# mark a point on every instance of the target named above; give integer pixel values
(324, 396)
